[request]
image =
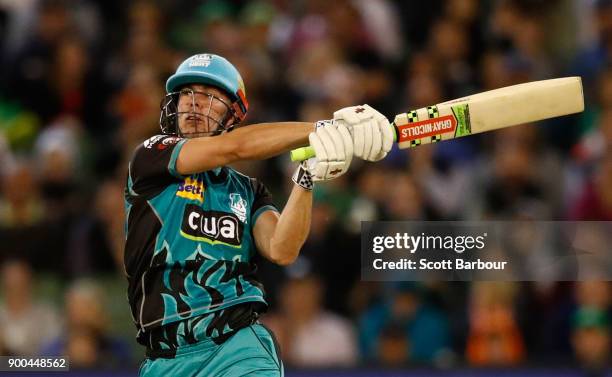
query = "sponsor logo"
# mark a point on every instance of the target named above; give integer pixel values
(152, 140)
(167, 142)
(426, 128)
(211, 226)
(324, 123)
(171, 140)
(192, 189)
(201, 60)
(239, 206)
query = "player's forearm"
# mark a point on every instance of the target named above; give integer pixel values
(265, 140)
(292, 228)
(253, 142)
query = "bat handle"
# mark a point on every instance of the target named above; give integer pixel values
(304, 153)
(301, 154)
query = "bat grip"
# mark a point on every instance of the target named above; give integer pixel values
(301, 154)
(304, 153)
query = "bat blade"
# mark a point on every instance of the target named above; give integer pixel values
(487, 111)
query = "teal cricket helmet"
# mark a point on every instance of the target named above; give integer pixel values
(215, 70)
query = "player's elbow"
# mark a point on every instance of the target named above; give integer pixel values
(284, 260)
(284, 256)
(284, 247)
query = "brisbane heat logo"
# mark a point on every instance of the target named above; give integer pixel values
(192, 189)
(211, 226)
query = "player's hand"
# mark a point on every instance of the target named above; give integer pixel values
(333, 146)
(372, 134)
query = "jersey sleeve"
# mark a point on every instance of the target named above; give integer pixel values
(262, 200)
(153, 165)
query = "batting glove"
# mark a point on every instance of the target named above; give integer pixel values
(333, 147)
(371, 131)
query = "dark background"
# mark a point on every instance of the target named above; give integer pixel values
(80, 87)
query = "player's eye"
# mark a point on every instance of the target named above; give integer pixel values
(203, 95)
(186, 92)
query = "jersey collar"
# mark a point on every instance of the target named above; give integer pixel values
(218, 175)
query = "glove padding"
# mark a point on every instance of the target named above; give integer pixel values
(333, 147)
(371, 131)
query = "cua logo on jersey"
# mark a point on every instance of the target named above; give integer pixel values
(191, 188)
(211, 226)
(238, 206)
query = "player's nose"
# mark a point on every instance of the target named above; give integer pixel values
(195, 104)
(201, 103)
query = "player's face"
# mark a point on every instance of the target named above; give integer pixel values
(202, 110)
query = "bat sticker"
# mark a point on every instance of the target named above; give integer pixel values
(462, 114)
(427, 128)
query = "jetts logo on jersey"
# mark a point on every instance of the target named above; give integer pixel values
(191, 188)
(211, 226)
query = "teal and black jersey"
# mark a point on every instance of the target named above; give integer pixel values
(189, 238)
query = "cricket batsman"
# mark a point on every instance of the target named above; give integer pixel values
(193, 224)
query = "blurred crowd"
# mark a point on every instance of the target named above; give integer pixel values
(80, 87)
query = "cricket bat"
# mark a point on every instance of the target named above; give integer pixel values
(482, 112)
